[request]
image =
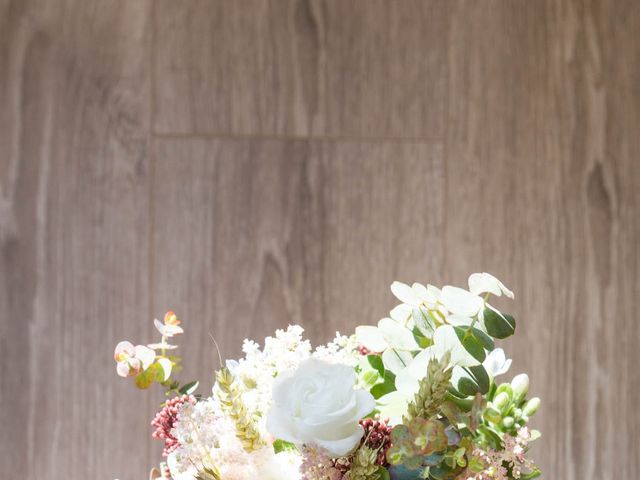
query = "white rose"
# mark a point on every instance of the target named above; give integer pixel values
(318, 404)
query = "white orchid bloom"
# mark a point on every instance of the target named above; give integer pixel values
(496, 363)
(132, 360)
(487, 283)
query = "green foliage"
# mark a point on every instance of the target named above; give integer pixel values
(155, 373)
(412, 442)
(474, 341)
(507, 410)
(373, 376)
(189, 388)
(499, 325)
(471, 380)
(364, 467)
(283, 446)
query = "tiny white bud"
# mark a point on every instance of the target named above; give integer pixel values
(531, 407)
(520, 386)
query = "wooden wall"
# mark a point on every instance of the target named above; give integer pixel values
(256, 163)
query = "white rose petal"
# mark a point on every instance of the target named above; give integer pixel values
(318, 404)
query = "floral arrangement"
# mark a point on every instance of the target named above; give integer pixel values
(415, 397)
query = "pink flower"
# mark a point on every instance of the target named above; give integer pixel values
(165, 420)
(132, 360)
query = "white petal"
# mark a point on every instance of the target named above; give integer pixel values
(395, 360)
(418, 366)
(401, 313)
(166, 365)
(342, 447)
(162, 346)
(487, 283)
(405, 293)
(396, 335)
(446, 340)
(406, 383)
(460, 302)
(393, 406)
(123, 347)
(434, 291)
(459, 320)
(496, 363)
(145, 355)
(172, 330)
(371, 338)
(159, 326)
(123, 369)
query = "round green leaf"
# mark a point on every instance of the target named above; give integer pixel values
(499, 325)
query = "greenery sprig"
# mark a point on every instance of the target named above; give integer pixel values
(230, 397)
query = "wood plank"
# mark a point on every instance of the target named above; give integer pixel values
(74, 235)
(253, 235)
(542, 181)
(321, 68)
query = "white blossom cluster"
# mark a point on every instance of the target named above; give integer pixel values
(208, 438)
(343, 349)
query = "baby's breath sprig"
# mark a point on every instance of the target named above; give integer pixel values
(230, 397)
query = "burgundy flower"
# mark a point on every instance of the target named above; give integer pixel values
(165, 420)
(377, 436)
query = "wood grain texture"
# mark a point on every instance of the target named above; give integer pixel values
(256, 163)
(256, 235)
(331, 68)
(543, 103)
(74, 233)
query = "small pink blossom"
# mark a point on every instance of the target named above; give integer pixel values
(132, 360)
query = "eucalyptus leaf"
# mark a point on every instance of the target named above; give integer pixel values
(375, 362)
(498, 325)
(155, 373)
(283, 446)
(189, 388)
(471, 343)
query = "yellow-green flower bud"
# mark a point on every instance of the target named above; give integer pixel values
(492, 415)
(506, 388)
(531, 407)
(508, 422)
(520, 386)
(501, 401)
